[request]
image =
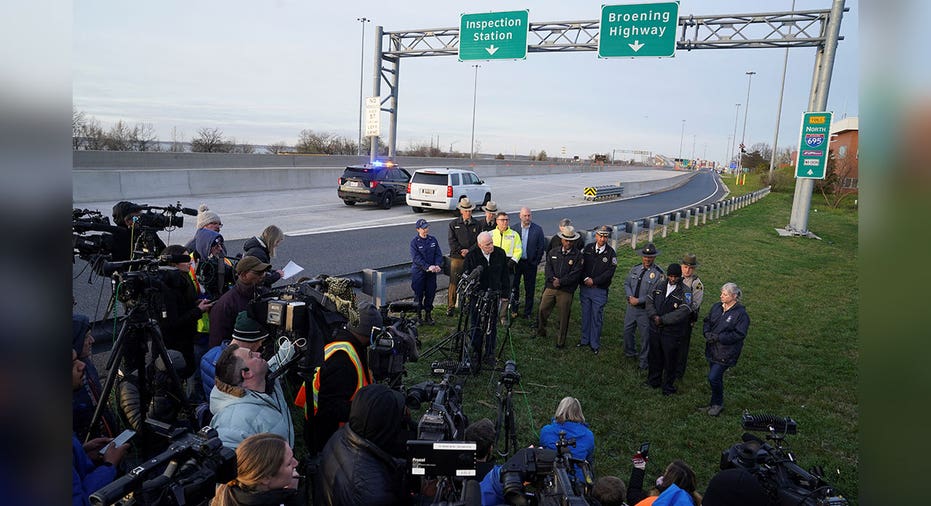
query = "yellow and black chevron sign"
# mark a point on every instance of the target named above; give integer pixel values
(590, 191)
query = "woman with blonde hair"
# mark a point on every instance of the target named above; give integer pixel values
(263, 247)
(266, 474)
(569, 418)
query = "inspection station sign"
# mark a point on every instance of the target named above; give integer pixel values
(493, 36)
(815, 136)
(630, 31)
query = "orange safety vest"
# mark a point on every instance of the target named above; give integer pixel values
(362, 374)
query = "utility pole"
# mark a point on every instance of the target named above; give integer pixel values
(363, 21)
(474, 96)
(743, 136)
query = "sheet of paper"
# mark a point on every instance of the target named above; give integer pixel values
(291, 269)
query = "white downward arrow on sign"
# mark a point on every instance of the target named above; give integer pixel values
(636, 45)
(491, 49)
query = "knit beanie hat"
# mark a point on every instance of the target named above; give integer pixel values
(205, 216)
(248, 330)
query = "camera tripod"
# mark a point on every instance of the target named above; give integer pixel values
(505, 420)
(139, 335)
(457, 347)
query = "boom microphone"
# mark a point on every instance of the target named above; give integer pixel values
(188, 211)
(174, 259)
(765, 423)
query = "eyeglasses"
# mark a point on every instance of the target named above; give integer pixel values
(503, 219)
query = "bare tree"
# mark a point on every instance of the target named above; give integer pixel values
(93, 136)
(119, 137)
(276, 148)
(327, 143)
(143, 137)
(78, 123)
(210, 140)
(236, 147)
(836, 185)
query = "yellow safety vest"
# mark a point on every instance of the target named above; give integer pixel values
(328, 351)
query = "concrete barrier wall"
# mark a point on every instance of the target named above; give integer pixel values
(116, 175)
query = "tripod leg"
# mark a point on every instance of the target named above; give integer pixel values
(116, 354)
(158, 346)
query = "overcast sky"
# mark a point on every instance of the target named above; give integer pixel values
(264, 70)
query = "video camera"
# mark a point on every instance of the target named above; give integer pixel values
(154, 217)
(548, 474)
(443, 420)
(185, 473)
(774, 466)
(392, 346)
(509, 377)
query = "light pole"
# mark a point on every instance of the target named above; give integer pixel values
(743, 135)
(681, 137)
(362, 22)
(474, 95)
(782, 89)
(736, 115)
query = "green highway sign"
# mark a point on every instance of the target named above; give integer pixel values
(814, 138)
(493, 36)
(629, 31)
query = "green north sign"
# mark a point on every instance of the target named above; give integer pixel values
(493, 36)
(814, 138)
(630, 31)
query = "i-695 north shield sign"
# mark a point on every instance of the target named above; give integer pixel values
(814, 139)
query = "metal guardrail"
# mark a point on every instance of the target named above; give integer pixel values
(377, 282)
(602, 192)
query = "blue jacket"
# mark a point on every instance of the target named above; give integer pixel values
(535, 246)
(725, 332)
(208, 367)
(424, 253)
(674, 496)
(86, 478)
(584, 448)
(492, 489)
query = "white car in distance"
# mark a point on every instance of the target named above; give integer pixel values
(442, 188)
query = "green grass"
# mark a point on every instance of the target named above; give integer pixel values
(801, 356)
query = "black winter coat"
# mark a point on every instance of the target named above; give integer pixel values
(254, 247)
(356, 472)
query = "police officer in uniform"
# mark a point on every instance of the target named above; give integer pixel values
(669, 314)
(694, 297)
(462, 236)
(598, 265)
(491, 210)
(426, 259)
(637, 286)
(563, 273)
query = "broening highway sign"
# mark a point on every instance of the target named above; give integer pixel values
(629, 31)
(493, 36)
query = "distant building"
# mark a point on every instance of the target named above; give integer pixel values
(844, 148)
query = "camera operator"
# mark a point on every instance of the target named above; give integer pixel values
(127, 231)
(244, 402)
(734, 487)
(250, 272)
(569, 418)
(87, 475)
(343, 373)
(208, 228)
(483, 433)
(182, 306)
(266, 473)
(496, 277)
(364, 462)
